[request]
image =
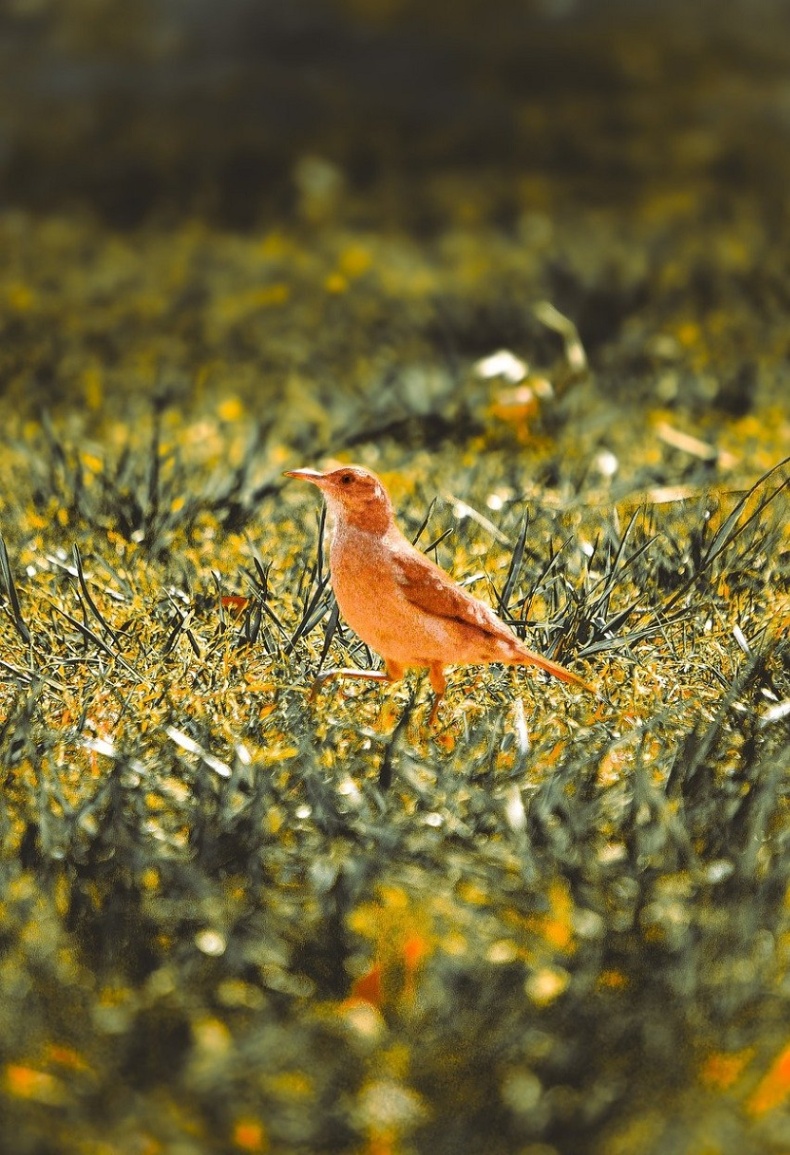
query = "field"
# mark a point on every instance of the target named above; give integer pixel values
(240, 916)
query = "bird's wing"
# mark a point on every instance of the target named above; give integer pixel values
(430, 589)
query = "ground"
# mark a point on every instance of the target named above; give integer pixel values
(240, 916)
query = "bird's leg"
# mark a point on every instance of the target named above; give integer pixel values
(370, 675)
(439, 685)
(392, 673)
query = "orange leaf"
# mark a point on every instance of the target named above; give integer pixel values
(235, 603)
(368, 987)
(380, 1143)
(720, 1070)
(65, 1057)
(38, 1086)
(249, 1135)
(774, 1087)
(414, 949)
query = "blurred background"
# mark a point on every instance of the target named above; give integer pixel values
(239, 236)
(166, 108)
(307, 199)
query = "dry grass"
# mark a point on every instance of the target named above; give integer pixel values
(238, 918)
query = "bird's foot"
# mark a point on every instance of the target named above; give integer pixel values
(434, 714)
(438, 685)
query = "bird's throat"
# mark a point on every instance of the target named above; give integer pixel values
(372, 518)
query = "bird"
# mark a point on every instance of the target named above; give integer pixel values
(398, 601)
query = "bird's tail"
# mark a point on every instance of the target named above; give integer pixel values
(525, 657)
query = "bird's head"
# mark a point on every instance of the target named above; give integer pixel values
(354, 495)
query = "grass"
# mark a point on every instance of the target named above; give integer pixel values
(239, 917)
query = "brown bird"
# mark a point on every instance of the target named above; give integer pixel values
(400, 603)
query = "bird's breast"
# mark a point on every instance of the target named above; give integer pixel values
(370, 597)
(361, 578)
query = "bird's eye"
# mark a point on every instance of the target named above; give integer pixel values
(346, 479)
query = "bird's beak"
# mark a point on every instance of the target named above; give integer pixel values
(305, 475)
